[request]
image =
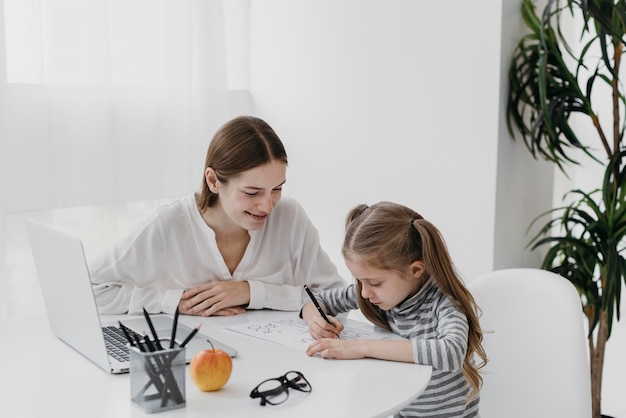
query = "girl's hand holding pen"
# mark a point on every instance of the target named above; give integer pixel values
(319, 328)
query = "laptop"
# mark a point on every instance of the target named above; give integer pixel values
(71, 305)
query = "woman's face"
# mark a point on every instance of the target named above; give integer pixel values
(250, 197)
(386, 288)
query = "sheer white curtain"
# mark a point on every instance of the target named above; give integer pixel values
(106, 101)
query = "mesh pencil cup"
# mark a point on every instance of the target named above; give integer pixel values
(157, 379)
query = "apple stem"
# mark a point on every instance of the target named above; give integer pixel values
(212, 348)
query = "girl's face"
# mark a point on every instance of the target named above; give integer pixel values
(250, 197)
(386, 288)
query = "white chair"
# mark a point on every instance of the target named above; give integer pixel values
(536, 344)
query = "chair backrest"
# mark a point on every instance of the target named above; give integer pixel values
(536, 344)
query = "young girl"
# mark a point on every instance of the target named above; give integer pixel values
(406, 283)
(237, 244)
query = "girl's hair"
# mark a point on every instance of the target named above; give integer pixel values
(391, 237)
(241, 144)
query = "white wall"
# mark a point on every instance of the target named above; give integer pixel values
(405, 100)
(396, 100)
(524, 185)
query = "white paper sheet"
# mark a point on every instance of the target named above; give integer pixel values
(294, 332)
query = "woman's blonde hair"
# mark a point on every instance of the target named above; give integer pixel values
(391, 236)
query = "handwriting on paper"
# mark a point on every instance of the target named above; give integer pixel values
(294, 332)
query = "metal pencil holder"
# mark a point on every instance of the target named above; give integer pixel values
(157, 379)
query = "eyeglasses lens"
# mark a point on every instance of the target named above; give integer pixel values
(297, 381)
(272, 391)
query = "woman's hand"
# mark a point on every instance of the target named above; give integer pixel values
(224, 298)
(337, 348)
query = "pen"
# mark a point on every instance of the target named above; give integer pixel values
(174, 326)
(123, 328)
(149, 344)
(317, 305)
(190, 336)
(139, 344)
(154, 334)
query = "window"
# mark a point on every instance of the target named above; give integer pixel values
(116, 42)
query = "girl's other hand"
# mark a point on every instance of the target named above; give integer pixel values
(336, 348)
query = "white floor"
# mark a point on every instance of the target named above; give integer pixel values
(100, 226)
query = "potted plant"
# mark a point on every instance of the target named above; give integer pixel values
(555, 86)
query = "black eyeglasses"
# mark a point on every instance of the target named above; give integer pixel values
(276, 390)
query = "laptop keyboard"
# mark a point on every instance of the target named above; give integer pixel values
(116, 342)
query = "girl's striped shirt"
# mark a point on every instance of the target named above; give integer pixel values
(438, 332)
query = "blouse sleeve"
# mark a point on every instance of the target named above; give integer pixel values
(128, 277)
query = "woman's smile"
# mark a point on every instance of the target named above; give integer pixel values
(257, 218)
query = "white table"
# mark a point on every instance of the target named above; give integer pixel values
(41, 376)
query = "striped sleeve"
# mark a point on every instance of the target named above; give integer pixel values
(446, 351)
(338, 300)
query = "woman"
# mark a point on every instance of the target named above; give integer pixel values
(235, 245)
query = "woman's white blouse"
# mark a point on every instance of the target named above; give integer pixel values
(173, 249)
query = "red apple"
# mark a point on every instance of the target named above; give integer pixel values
(210, 369)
